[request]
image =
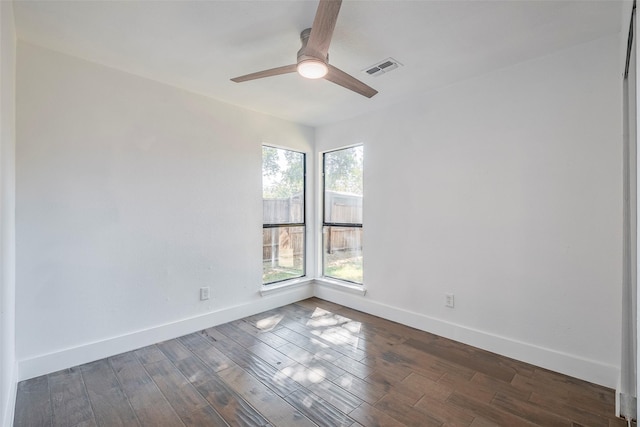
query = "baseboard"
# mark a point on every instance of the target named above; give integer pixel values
(568, 364)
(89, 352)
(10, 404)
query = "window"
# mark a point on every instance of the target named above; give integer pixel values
(283, 214)
(342, 218)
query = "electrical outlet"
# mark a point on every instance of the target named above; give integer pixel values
(448, 300)
(204, 293)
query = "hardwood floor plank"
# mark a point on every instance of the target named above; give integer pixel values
(449, 414)
(335, 395)
(387, 367)
(225, 401)
(474, 359)
(489, 384)
(368, 392)
(406, 413)
(110, 406)
(238, 335)
(195, 370)
(235, 410)
(482, 422)
(267, 320)
(320, 349)
(395, 384)
(583, 416)
(313, 361)
(203, 348)
(487, 411)
(69, 399)
(206, 416)
(304, 375)
(149, 354)
(328, 338)
(370, 416)
(174, 350)
(270, 376)
(292, 337)
(411, 359)
(266, 337)
(318, 410)
(148, 403)
(270, 355)
(464, 386)
(353, 367)
(528, 411)
(428, 387)
(269, 404)
(568, 390)
(178, 391)
(33, 403)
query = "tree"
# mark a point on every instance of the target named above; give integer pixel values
(282, 173)
(343, 170)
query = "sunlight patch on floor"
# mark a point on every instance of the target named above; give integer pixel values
(305, 375)
(269, 323)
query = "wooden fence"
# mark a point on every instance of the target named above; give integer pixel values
(283, 245)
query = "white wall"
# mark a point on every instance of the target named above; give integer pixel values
(8, 368)
(505, 190)
(131, 195)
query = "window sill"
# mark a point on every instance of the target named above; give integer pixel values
(284, 286)
(342, 286)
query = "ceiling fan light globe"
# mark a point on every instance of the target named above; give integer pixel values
(312, 69)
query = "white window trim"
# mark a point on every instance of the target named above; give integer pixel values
(341, 285)
(321, 280)
(266, 289)
(285, 285)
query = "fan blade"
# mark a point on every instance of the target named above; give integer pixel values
(322, 28)
(343, 79)
(266, 73)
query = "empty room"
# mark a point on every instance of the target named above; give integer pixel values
(318, 213)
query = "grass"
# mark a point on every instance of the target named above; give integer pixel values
(272, 274)
(344, 266)
(339, 265)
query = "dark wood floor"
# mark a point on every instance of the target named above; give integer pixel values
(311, 363)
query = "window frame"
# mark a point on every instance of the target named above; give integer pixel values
(324, 224)
(302, 224)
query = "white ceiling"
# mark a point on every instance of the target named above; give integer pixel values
(200, 45)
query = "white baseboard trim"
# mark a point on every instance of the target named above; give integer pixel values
(89, 352)
(10, 404)
(568, 364)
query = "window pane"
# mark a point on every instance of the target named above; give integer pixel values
(282, 253)
(343, 186)
(282, 186)
(342, 255)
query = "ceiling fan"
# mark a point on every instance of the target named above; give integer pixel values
(313, 56)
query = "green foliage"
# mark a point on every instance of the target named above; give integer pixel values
(282, 173)
(270, 165)
(343, 170)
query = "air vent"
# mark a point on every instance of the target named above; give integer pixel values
(382, 67)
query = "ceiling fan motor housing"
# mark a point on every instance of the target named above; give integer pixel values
(305, 54)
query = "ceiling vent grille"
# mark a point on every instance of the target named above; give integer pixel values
(382, 67)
